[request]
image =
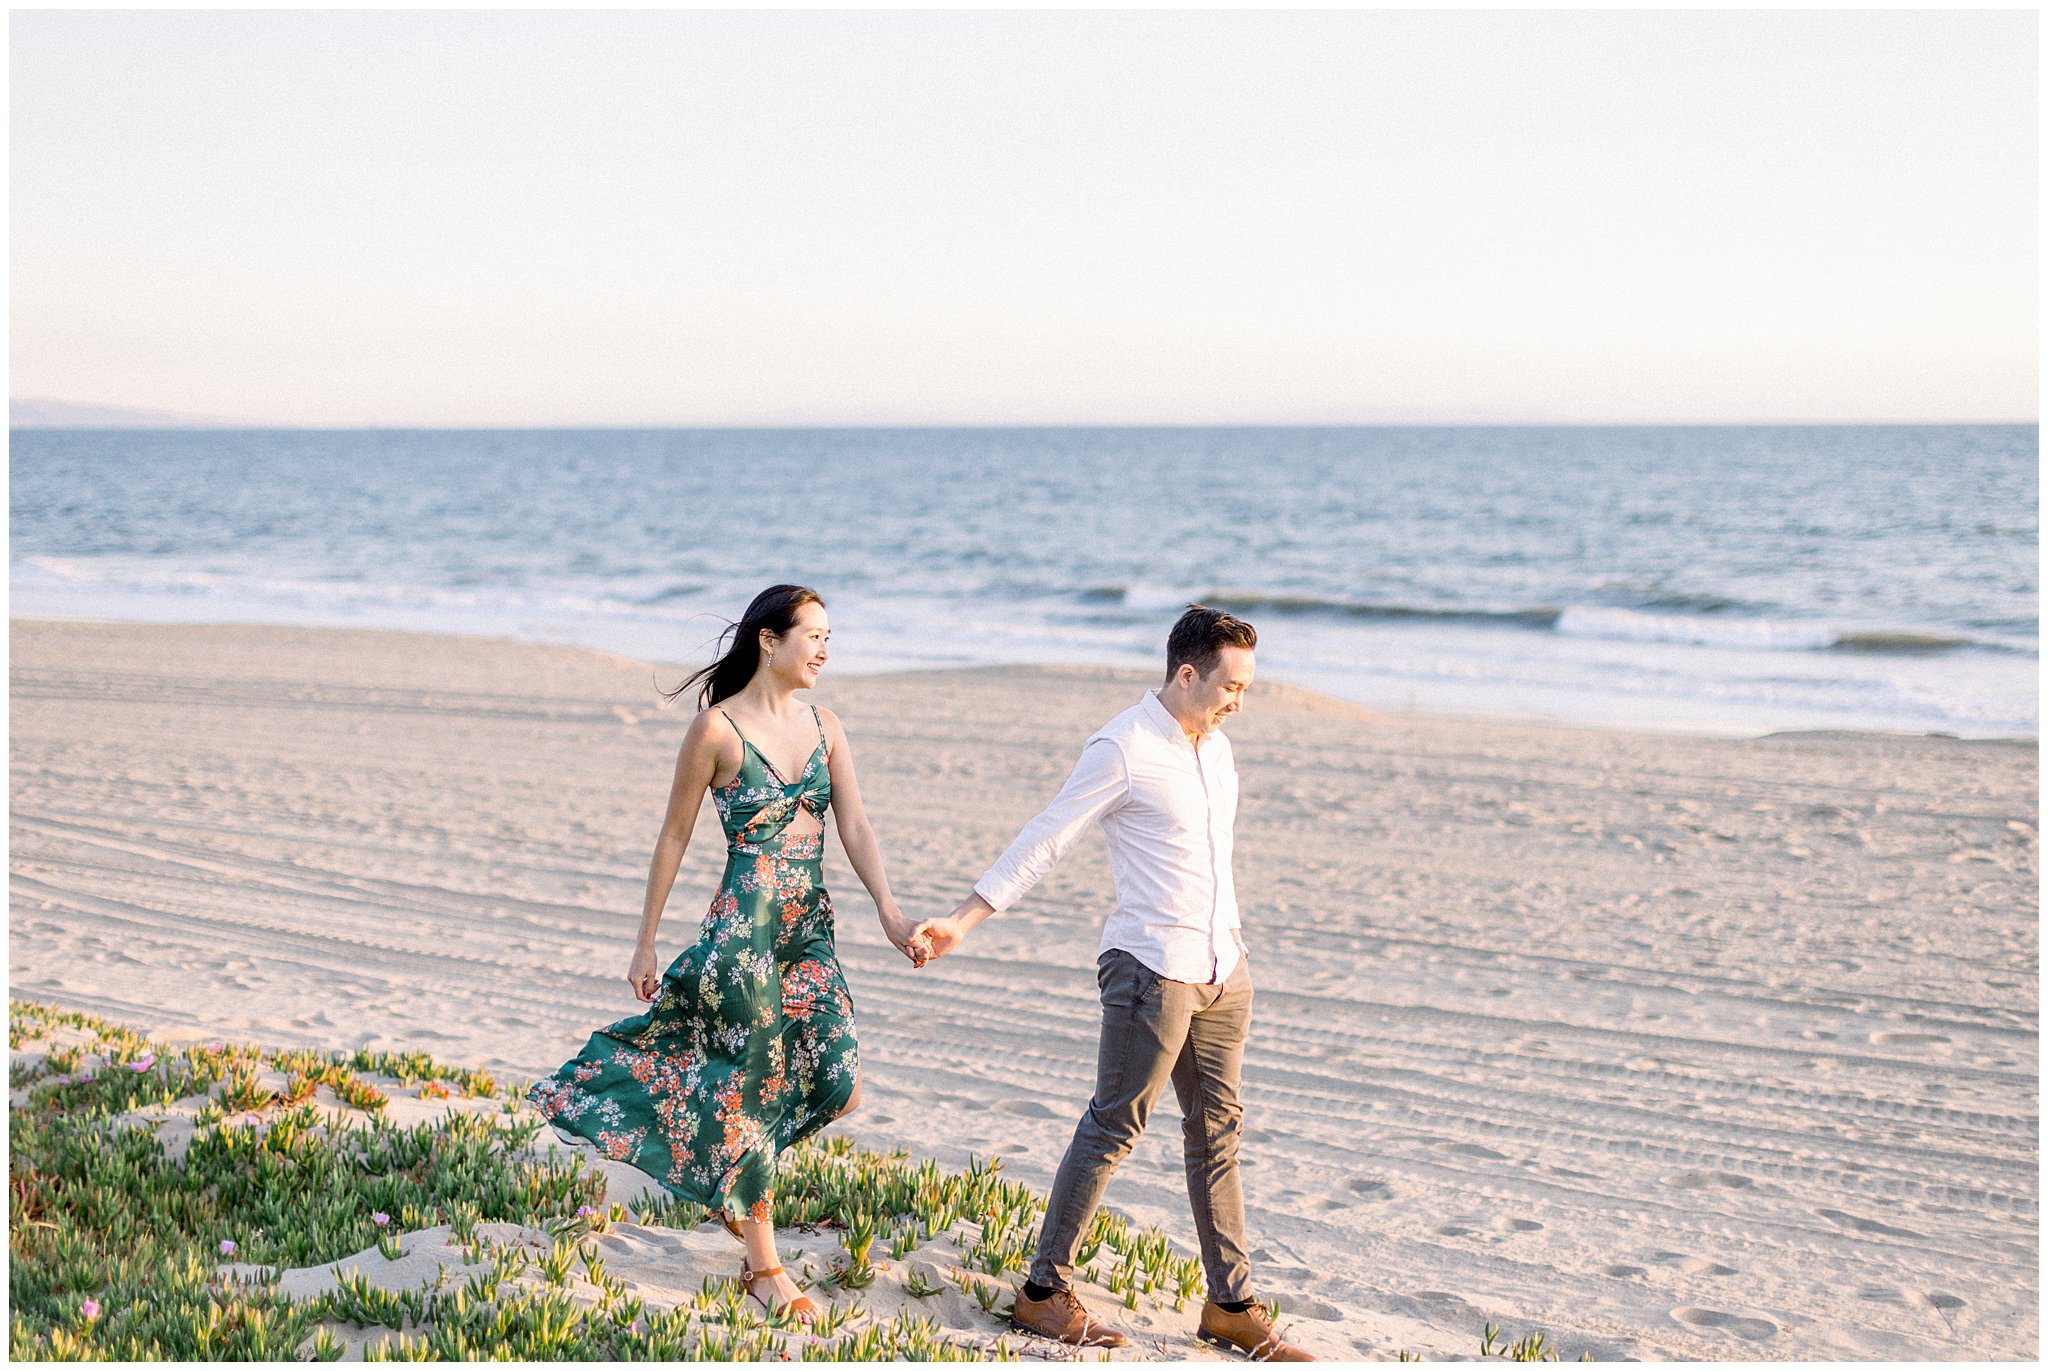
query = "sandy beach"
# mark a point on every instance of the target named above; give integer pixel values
(1668, 1047)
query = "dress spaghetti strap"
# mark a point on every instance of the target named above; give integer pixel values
(736, 727)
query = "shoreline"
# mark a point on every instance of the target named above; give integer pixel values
(1266, 687)
(1669, 1046)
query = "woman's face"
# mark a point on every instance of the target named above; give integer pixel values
(800, 654)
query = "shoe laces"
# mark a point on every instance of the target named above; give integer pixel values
(1066, 1299)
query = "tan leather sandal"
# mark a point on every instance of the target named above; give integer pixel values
(803, 1306)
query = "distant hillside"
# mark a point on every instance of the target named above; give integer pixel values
(43, 413)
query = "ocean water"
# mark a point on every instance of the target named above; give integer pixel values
(1729, 580)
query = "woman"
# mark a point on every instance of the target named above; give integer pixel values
(749, 1045)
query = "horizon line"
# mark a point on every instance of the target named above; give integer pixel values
(218, 426)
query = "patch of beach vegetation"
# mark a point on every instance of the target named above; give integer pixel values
(218, 1201)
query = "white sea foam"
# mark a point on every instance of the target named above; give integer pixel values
(1627, 625)
(1143, 597)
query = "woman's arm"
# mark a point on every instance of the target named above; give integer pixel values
(857, 836)
(697, 765)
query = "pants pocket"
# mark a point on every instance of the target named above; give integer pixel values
(1126, 982)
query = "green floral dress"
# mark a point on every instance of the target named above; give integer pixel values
(748, 1046)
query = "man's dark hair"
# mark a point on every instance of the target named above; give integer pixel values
(1199, 637)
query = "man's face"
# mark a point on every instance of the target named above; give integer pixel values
(1220, 694)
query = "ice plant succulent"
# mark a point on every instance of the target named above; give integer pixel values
(154, 1252)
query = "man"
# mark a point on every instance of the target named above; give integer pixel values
(1176, 993)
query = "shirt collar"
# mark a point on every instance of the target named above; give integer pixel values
(1163, 720)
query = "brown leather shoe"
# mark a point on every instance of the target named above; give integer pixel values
(1250, 1333)
(1061, 1315)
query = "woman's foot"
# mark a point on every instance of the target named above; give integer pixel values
(778, 1294)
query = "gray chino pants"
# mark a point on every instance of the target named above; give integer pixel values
(1155, 1029)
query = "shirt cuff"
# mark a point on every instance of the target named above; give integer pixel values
(999, 894)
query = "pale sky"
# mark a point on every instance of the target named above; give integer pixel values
(515, 217)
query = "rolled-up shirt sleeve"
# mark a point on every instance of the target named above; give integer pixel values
(1100, 782)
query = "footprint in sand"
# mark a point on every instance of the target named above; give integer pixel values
(1750, 1330)
(1623, 1272)
(1700, 1266)
(1519, 1225)
(1448, 1230)
(1458, 1149)
(1908, 1039)
(1024, 1109)
(1693, 1266)
(1709, 1180)
(1445, 1305)
(1861, 1225)
(1322, 1204)
(1369, 1189)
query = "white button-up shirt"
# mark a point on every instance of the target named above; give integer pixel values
(1166, 808)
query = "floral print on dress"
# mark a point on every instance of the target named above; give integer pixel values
(748, 1046)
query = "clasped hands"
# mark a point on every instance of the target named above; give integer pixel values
(923, 942)
(919, 942)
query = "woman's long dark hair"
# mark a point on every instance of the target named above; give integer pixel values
(774, 609)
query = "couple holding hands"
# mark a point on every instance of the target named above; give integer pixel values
(748, 1045)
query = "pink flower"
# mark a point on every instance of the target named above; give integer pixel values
(585, 1211)
(227, 1247)
(142, 1063)
(90, 1309)
(86, 1079)
(380, 1218)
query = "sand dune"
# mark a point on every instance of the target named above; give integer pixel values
(1668, 1047)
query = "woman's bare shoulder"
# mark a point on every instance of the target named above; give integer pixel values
(710, 730)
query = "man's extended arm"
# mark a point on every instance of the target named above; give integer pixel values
(1099, 783)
